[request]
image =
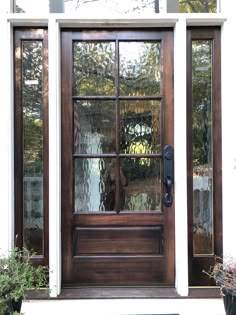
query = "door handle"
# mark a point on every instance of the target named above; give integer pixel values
(168, 173)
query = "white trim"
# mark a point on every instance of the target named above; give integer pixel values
(159, 20)
(181, 222)
(6, 139)
(24, 19)
(228, 66)
(201, 20)
(218, 5)
(54, 159)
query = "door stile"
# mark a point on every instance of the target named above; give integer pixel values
(117, 125)
(168, 132)
(67, 153)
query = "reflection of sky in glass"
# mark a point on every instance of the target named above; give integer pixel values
(104, 7)
(33, 7)
(109, 6)
(85, 7)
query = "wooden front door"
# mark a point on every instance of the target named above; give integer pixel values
(117, 115)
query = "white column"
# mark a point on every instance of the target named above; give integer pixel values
(228, 69)
(54, 159)
(181, 224)
(6, 138)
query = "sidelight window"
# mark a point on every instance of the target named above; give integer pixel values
(31, 146)
(204, 151)
(202, 146)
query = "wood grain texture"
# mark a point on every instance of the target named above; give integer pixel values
(121, 240)
(107, 248)
(124, 270)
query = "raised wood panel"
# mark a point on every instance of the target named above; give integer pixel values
(120, 271)
(128, 240)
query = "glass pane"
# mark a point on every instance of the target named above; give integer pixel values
(94, 184)
(30, 6)
(140, 125)
(140, 68)
(202, 146)
(121, 7)
(142, 189)
(94, 68)
(197, 6)
(32, 102)
(94, 127)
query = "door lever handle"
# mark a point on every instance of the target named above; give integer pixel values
(168, 174)
(168, 200)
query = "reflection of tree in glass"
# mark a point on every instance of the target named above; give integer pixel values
(140, 68)
(119, 6)
(203, 6)
(94, 67)
(202, 98)
(32, 100)
(140, 123)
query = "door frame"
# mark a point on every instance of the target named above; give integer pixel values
(66, 96)
(199, 262)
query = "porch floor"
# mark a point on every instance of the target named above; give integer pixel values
(181, 306)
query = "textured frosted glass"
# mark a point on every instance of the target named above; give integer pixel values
(94, 68)
(143, 184)
(32, 102)
(202, 147)
(140, 72)
(95, 184)
(94, 126)
(140, 125)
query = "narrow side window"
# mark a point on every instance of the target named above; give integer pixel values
(31, 142)
(204, 151)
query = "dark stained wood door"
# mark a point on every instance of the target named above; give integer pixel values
(117, 115)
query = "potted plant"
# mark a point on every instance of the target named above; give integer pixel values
(18, 276)
(224, 274)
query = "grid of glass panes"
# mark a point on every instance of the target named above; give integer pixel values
(117, 7)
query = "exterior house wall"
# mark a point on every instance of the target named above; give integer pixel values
(179, 22)
(228, 127)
